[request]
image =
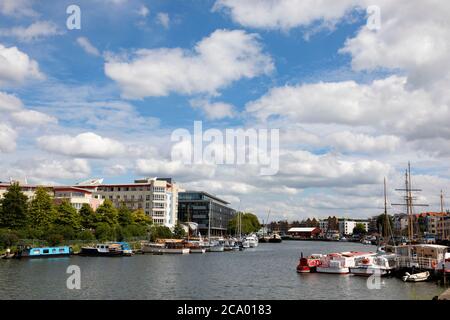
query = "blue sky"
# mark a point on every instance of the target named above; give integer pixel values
(353, 105)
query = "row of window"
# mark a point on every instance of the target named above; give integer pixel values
(142, 188)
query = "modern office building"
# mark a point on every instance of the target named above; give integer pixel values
(203, 208)
(158, 197)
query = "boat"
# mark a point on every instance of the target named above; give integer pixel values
(215, 246)
(275, 238)
(166, 247)
(381, 264)
(44, 252)
(339, 263)
(309, 264)
(113, 249)
(197, 250)
(416, 277)
(252, 241)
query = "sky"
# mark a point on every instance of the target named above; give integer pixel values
(355, 91)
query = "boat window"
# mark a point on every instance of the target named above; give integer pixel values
(61, 250)
(37, 251)
(102, 247)
(45, 251)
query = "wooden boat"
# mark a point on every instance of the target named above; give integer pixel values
(44, 252)
(416, 277)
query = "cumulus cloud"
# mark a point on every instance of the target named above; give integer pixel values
(87, 46)
(60, 169)
(17, 8)
(163, 19)
(8, 138)
(32, 118)
(214, 110)
(37, 30)
(9, 102)
(283, 14)
(143, 11)
(84, 145)
(359, 142)
(216, 61)
(16, 66)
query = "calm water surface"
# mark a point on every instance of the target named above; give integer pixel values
(266, 272)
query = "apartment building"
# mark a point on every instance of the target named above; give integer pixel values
(346, 226)
(158, 197)
(77, 197)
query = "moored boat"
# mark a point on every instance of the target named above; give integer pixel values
(381, 264)
(416, 277)
(113, 249)
(275, 238)
(166, 247)
(308, 264)
(44, 252)
(339, 263)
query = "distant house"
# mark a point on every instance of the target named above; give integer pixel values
(304, 232)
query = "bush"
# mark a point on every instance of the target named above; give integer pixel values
(54, 239)
(86, 235)
(104, 232)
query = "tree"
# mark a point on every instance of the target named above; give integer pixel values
(160, 232)
(140, 218)
(381, 223)
(106, 213)
(41, 212)
(359, 229)
(125, 216)
(68, 216)
(179, 232)
(14, 208)
(87, 216)
(249, 222)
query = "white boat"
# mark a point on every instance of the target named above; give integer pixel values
(252, 240)
(381, 264)
(245, 243)
(416, 277)
(340, 263)
(165, 248)
(197, 250)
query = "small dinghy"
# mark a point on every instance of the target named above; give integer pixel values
(417, 277)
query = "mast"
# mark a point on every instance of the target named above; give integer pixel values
(209, 224)
(189, 229)
(443, 216)
(385, 212)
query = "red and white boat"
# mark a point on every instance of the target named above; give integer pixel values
(339, 263)
(309, 264)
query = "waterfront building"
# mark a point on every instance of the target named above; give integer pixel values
(77, 197)
(304, 232)
(157, 197)
(346, 226)
(27, 189)
(400, 223)
(203, 208)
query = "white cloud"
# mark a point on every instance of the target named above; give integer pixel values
(8, 138)
(32, 118)
(60, 169)
(408, 39)
(84, 145)
(17, 8)
(385, 104)
(16, 66)
(35, 31)
(215, 110)
(9, 102)
(283, 14)
(87, 46)
(217, 61)
(160, 167)
(143, 11)
(163, 19)
(359, 142)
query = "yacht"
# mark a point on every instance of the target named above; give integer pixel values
(252, 240)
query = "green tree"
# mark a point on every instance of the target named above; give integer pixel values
(41, 212)
(381, 223)
(179, 232)
(359, 229)
(87, 216)
(250, 223)
(68, 216)
(160, 232)
(140, 218)
(104, 232)
(106, 213)
(14, 213)
(125, 216)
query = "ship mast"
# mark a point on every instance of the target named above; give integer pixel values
(443, 216)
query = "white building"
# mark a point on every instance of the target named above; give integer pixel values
(346, 226)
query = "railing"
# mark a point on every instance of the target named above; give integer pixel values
(417, 262)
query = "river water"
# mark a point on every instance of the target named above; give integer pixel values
(265, 272)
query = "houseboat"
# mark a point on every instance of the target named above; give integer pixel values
(114, 249)
(44, 252)
(339, 263)
(168, 246)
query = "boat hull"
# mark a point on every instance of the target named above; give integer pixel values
(197, 250)
(93, 252)
(343, 270)
(367, 272)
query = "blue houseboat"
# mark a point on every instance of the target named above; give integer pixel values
(45, 252)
